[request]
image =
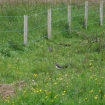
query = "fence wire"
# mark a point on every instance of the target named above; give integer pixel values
(11, 27)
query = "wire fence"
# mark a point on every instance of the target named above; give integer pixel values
(12, 27)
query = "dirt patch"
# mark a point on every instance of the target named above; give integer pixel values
(8, 90)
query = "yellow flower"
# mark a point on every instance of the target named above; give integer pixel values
(95, 97)
(61, 79)
(99, 83)
(55, 83)
(99, 90)
(46, 97)
(40, 90)
(91, 91)
(64, 91)
(96, 79)
(35, 75)
(55, 96)
(24, 91)
(37, 91)
(63, 94)
(86, 98)
(91, 77)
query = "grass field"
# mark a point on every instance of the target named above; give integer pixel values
(28, 75)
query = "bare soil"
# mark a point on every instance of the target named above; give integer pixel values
(8, 90)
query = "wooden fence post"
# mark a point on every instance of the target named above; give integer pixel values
(69, 17)
(101, 12)
(49, 23)
(86, 15)
(25, 29)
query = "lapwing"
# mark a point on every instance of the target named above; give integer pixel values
(60, 66)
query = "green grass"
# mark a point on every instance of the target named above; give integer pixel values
(81, 83)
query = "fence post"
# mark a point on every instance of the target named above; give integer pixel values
(69, 17)
(86, 15)
(49, 23)
(101, 12)
(25, 29)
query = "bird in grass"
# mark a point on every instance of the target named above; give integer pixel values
(60, 66)
(50, 49)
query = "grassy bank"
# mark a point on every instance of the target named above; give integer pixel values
(82, 82)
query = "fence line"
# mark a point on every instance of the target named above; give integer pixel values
(49, 23)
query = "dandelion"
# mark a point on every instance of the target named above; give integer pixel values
(64, 91)
(37, 91)
(91, 77)
(7, 101)
(12, 103)
(55, 83)
(46, 97)
(90, 64)
(95, 97)
(55, 97)
(61, 79)
(95, 79)
(63, 94)
(40, 90)
(99, 83)
(67, 86)
(86, 99)
(35, 75)
(102, 77)
(99, 90)
(90, 70)
(24, 91)
(47, 92)
(91, 91)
